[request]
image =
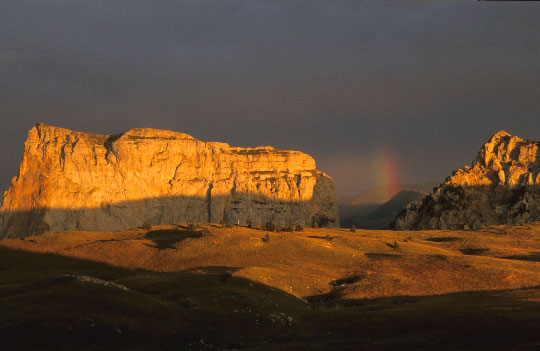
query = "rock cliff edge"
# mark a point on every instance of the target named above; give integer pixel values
(501, 187)
(72, 180)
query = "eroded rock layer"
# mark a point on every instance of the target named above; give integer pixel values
(501, 187)
(73, 180)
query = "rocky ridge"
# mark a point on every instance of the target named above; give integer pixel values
(73, 180)
(501, 187)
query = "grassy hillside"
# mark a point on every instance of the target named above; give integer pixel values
(235, 288)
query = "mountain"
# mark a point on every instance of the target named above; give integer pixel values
(369, 200)
(382, 194)
(501, 187)
(381, 216)
(72, 180)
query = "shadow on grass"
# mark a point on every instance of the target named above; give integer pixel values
(375, 256)
(70, 303)
(328, 237)
(346, 281)
(443, 239)
(393, 245)
(533, 256)
(490, 310)
(216, 270)
(322, 299)
(473, 251)
(167, 238)
(503, 319)
(176, 310)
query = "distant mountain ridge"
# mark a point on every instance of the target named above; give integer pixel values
(362, 205)
(380, 217)
(380, 195)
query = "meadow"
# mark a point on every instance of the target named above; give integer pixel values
(202, 287)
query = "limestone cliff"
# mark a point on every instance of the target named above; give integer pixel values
(501, 187)
(73, 180)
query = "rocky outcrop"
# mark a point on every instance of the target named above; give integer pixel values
(73, 180)
(501, 187)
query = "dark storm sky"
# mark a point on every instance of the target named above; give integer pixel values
(354, 84)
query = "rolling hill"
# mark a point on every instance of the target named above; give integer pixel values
(211, 287)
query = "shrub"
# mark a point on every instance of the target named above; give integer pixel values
(299, 228)
(353, 229)
(147, 225)
(270, 226)
(289, 229)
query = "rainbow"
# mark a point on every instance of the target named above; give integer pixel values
(386, 173)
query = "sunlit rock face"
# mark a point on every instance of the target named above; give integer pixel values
(501, 187)
(73, 180)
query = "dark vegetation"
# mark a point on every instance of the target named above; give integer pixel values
(271, 227)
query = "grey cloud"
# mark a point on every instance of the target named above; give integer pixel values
(431, 80)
